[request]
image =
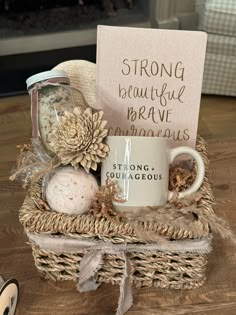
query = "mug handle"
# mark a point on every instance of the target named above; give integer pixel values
(200, 169)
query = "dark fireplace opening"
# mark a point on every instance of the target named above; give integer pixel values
(27, 17)
(36, 35)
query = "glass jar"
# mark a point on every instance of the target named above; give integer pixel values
(51, 95)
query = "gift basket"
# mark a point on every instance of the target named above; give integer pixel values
(73, 227)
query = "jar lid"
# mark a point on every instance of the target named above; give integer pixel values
(42, 76)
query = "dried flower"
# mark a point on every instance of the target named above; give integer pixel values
(78, 138)
(103, 202)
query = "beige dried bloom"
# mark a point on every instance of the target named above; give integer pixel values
(78, 138)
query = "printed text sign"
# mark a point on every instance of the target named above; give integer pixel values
(149, 81)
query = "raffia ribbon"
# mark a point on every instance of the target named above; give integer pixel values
(93, 258)
(34, 163)
(89, 266)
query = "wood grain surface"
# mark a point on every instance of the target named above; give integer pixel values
(40, 297)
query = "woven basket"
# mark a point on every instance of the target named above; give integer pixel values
(160, 267)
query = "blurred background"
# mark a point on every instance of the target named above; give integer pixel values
(37, 35)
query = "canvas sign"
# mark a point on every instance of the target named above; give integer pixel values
(149, 81)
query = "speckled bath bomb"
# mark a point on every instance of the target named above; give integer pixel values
(71, 191)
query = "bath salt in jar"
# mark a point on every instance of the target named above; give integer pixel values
(51, 95)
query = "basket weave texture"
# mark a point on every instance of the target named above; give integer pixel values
(165, 269)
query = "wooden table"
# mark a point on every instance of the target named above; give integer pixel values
(39, 297)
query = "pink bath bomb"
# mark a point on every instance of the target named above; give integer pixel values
(71, 191)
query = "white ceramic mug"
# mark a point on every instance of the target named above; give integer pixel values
(140, 166)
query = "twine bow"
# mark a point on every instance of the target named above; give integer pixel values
(33, 163)
(93, 258)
